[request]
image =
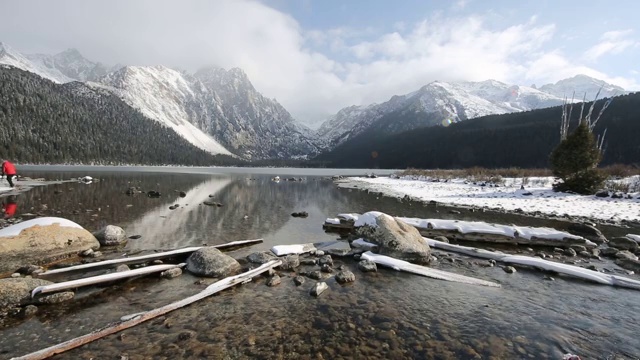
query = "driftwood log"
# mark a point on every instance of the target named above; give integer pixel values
(136, 319)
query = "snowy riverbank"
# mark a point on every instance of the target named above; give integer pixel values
(536, 197)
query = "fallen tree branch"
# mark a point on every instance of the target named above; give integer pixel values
(144, 258)
(142, 317)
(100, 279)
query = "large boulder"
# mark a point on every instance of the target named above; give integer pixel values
(41, 241)
(588, 232)
(17, 291)
(111, 235)
(623, 243)
(397, 239)
(211, 262)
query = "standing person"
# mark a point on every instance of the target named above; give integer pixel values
(9, 170)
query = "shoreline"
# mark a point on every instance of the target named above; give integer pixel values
(511, 199)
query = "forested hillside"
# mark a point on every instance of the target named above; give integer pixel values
(522, 139)
(43, 122)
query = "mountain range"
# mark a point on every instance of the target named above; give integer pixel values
(221, 112)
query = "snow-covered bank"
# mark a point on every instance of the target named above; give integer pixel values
(537, 196)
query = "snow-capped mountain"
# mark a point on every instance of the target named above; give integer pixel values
(581, 85)
(71, 64)
(443, 103)
(10, 56)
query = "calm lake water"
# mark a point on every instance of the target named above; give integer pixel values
(382, 315)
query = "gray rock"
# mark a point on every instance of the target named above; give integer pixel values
(585, 254)
(318, 289)
(57, 298)
(319, 253)
(570, 252)
(578, 248)
(509, 269)
(316, 275)
(171, 273)
(29, 269)
(298, 280)
(157, 262)
(609, 252)
(261, 257)
(86, 253)
(15, 292)
(111, 235)
(588, 232)
(345, 276)
(441, 238)
(326, 268)
(122, 268)
(623, 243)
(397, 239)
(367, 266)
(211, 262)
(290, 262)
(340, 252)
(325, 260)
(626, 254)
(30, 310)
(602, 193)
(308, 262)
(274, 280)
(633, 265)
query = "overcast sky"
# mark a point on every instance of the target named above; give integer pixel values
(317, 56)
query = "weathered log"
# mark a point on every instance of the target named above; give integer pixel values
(101, 279)
(133, 320)
(401, 265)
(144, 258)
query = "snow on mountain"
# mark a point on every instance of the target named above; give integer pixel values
(71, 64)
(9, 56)
(581, 85)
(437, 103)
(166, 96)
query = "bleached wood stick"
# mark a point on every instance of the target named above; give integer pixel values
(401, 265)
(143, 258)
(142, 317)
(100, 279)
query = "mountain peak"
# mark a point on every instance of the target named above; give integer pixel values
(583, 85)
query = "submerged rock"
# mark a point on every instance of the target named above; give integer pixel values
(111, 235)
(318, 289)
(345, 276)
(211, 262)
(261, 257)
(298, 280)
(509, 269)
(171, 273)
(57, 298)
(367, 266)
(301, 214)
(396, 239)
(325, 260)
(274, 280)
(290, 262)
(623, 243)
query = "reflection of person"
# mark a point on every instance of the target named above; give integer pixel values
(10, 206)
(9, 170)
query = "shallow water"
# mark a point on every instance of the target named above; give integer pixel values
(382, 315)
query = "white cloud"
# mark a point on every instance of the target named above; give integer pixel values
(611, 43)
(282, 59)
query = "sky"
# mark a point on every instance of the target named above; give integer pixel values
(318, 56)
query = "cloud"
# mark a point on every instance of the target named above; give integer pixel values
(611, 43)
(312, 72)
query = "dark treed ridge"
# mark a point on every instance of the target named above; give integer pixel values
(43, 122)
(523, 139)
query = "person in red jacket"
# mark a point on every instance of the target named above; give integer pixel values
(9, 170)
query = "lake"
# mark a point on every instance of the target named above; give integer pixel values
(387, 314)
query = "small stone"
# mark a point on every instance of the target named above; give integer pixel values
(441, 239)
(183, 194)
(16, 275)
(345, 276)
(325, 260)
(609, 251)
(30, 310)
(300, 214)
(185, 335)
(509, 269)
(367, 266)
(85, 253)
(135, 237)
(319, 253)
(318, 289)
(298, 280)
(274, 280)
(326, 268)
(290, 262)
(29, 269)
(96, 254)
(316, 275)
(547, 277)
(585, 254)
(308, 262)
(570, 252)
(592, 267)
(157, 262)
(261, 257)
(122, 268)
(57, 298)
(171, 273)
(626, 254)
(578, 248)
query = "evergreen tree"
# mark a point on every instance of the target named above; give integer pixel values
(575, 162)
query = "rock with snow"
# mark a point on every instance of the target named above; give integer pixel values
(588, 232)
(396, 239)
(111, 235)
(42, 240)
(211, 262)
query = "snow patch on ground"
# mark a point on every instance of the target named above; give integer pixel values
(635, 238)
(280, 250)
(538, 196)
